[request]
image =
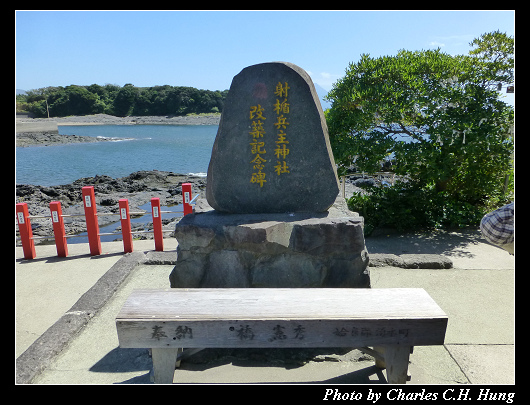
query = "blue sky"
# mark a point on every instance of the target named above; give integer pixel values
(205, 49)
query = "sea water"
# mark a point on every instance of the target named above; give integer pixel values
(174, 211)
(176, 148)
(182, 149)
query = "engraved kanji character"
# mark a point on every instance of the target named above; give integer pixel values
(259, 178)
(281, 107)
(341, 332)
(245, 333)
(380, 332)
(278, 333)
(403, 332)
(281, 151)
(299, 332)
(182, 331)
(258, 162)
(281, 167)
(281, 137)
(257, 147)
(158, 332)
(257, 129)
(281, 123)
(366, 332)
(257, 110)
(281, 90)
(390, 332)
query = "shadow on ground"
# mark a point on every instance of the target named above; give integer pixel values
(120, 360)
(442, 242)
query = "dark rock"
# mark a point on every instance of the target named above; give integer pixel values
(175, 191)
(384, 259)
(426, 261)
(364, 182)
(272, 151)
(103, 178)
(50, 191)
(108, 202)
(163, 258)
(411, 261)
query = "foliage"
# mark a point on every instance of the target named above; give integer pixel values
(121, 101)
(439, 117)
(125, 100)
(441, 121)
(409, 207)
(495, 50)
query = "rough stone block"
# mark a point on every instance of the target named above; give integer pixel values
(271, 250)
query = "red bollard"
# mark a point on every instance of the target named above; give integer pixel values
(58, 229)
(92, 226)
(26, 235)
(157, 224)
(126, 226)
(186, 198)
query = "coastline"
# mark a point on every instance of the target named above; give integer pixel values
(138, 187)
(105, 119)
(25, 139)
(40, 134)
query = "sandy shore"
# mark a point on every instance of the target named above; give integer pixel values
(105, 119)
(39, 133)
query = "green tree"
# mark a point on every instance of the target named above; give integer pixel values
(439, 117)
(125, 100)
(122, 101)
(74, 100)
(495, 50)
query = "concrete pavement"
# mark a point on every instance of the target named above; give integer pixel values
(47, 286)
(86, 293)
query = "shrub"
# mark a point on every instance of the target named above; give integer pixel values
(407, 207)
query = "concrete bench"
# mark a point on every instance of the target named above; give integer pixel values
(391, 320)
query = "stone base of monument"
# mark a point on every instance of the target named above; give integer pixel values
(289, 250)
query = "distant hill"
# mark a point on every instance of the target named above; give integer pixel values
(321, 94)
(121, 101)
(169, 100)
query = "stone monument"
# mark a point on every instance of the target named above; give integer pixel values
(272, 151)
(272, 217)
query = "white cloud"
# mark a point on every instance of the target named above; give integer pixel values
(326, 79)
(435, 43)
(452, 44)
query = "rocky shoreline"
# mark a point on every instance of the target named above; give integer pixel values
(138, 187)
(25, 139)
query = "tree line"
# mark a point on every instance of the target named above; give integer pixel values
(120, 101)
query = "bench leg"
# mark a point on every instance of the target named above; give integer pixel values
(397, 363)
(164, 365)
(379, 360)
(180, 350)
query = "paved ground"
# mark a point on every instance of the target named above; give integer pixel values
(48, 286)
(65, 310)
